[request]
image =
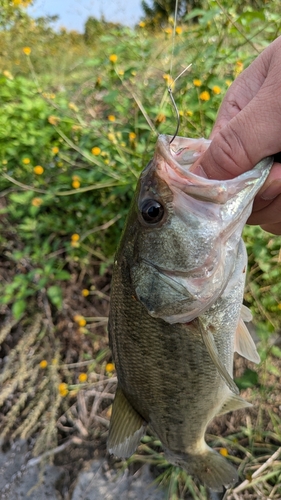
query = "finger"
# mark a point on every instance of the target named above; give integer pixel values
(269, 215)
(239, 94)
(272, 228)
(253, 132)
(272, 186)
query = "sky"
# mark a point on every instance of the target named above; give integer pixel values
(74, 13)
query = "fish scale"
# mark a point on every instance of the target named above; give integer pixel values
(175, 313)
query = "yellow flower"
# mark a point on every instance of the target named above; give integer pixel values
(36, 202)
(63, 390)
(224, 452)
(8, 75)
(85, 292)
(189, 113)
(4, 162)
(238, 68)
(83, 377)
(26, 161)
(169, 80)
(75, 237)
(169, 31)
(110, 367)
(111, 137)
(132, 136)
(96, 151)
(228, 82)
(205, 96)
(80, 320)
(26, 50)
(179, 30)
(77, 318)
(197, 82)
(141, 24)
(76, 184)
(160, 118)
(216, 89)
(38, 170)
(82, 330)
(43, 363)
(111, 118)
(22, 3)
(53, 120)
(113, 58)
(121, 72)
(55, 150)
(72, 106)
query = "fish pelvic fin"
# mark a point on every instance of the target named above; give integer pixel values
(234, 402)
(210, 468)
(126, 427)
(210, 344)
(244, 344)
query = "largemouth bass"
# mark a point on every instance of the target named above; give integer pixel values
(176, 314)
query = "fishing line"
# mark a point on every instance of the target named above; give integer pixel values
(174, 103)
(177, 113)
(171, 80)
(174, 36)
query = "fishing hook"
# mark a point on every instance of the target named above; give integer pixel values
(177, 113)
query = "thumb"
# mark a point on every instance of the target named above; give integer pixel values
(252, 134)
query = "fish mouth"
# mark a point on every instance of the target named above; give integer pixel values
(181, 156)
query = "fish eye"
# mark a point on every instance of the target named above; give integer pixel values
(152, 211)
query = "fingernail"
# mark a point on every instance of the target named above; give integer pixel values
(273, 190)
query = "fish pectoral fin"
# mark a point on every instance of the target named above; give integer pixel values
(210, 344)
(234, 402)
(246, 314)
(244, 344)
(126, 427)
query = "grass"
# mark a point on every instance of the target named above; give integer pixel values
(78, 125)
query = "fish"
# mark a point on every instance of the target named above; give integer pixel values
(176, 310)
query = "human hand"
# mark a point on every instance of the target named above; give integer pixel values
(247, 129)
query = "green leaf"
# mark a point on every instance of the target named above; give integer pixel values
(62, 275)
(55, 295)
(248, 379)
(18, 308)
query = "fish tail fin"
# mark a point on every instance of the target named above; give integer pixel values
(211, 468)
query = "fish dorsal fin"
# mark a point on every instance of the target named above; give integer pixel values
(244, 344)
(210, 344)
(234, 402)
(126, 427)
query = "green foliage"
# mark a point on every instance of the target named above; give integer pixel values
(263, 289)
(12, 11)
(95, 28)
(78, 123)
(157, 15)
